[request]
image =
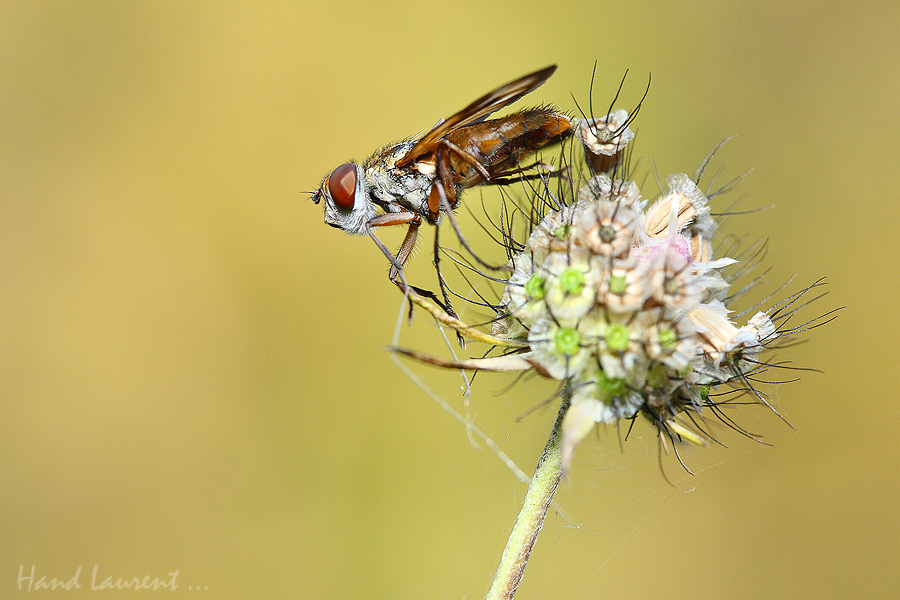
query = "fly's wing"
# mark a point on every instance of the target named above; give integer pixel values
(478, 110)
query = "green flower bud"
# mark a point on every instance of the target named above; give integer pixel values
(610, 386)
(616, 337)
(567, 340)
(534, 287)
(571, 280)
(617, 285)
(667, 338)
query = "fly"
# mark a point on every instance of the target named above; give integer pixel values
(421, 179)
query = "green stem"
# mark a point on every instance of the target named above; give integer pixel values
(531, 517)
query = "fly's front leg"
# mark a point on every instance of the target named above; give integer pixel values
(386, 220)
(396, 273)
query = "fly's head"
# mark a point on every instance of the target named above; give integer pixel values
(346, 196)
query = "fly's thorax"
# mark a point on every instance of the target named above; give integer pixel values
(387, 156)
(407, 186)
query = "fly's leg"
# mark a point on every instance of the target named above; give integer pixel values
(538, 170)
(443, 285)
(424, 298)
(443, 194)
(445, 176)
(396, 273)
(447, 146)
(437, 268)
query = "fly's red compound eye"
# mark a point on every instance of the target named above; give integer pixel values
(342, 186)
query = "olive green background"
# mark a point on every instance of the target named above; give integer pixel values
(192, 366)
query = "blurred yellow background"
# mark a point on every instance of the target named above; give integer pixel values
(193, 365)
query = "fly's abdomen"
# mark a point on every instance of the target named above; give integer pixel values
(501, 145)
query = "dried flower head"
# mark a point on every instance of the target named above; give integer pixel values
(624, 302)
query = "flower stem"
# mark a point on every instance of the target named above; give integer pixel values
(531, 516)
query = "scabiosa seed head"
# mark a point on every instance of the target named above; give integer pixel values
(625, 307)
(624, 302)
